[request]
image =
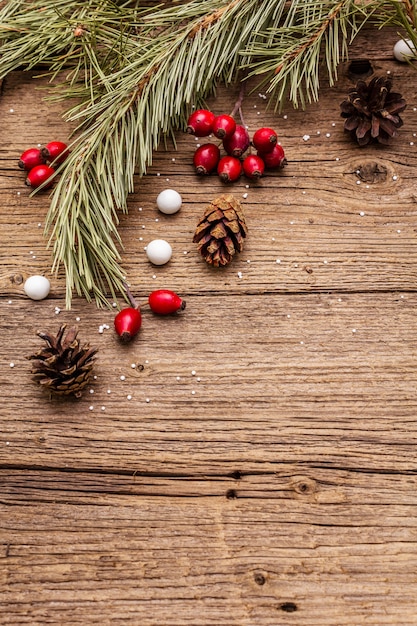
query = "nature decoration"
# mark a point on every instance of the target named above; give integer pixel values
(372, 111)
(221, 231)
(64, 366)
(236, 141)
(132, 72)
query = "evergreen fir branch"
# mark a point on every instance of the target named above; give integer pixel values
(136, 71)
(313, 33)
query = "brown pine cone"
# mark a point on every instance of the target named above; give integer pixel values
(372, 111)
(221, 231)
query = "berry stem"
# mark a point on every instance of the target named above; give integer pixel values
(238, 104)
(130, 296)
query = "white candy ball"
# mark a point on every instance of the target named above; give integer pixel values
(159, 251)
(37, 287)
(404, 49)
(169, 201)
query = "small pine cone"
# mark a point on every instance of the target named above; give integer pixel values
(63, 366)
(372, 111)
(221, 231)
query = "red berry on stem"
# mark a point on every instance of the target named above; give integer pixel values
(275, 158)
(29, 158)
(229, 169)
(206, 158)
(224, 126)
(165, 302)
(55, 151)
(238, 143)
(253, 166)
(38, 175)
(127, 323)
(200, 123)
(264, 140)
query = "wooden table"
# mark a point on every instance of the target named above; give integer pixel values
(250, 462)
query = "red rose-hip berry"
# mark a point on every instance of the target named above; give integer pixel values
(127, 323)
(55, 151)
(200, 123)
(238, 143)
(165, 302)
(253, 166)
(224, 126)
(229, 169)
(264, 140)
(30, 158)
(275, 158)
(206, 158)
(38, 175)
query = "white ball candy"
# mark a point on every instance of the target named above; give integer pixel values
(37, 287)
(159, 251)
(404, 49)
(169, 201)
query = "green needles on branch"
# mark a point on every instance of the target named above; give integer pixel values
(133, 71)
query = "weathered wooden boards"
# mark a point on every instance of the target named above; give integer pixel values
(256, 465)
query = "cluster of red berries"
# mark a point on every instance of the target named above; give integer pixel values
(128, 321)
(236, 141)
(40, 163)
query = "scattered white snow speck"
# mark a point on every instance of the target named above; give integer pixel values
(103, 408)
(328, 135)
(362, 213)
(278, 261)
(239, 274)
(78, 319)
(91, 390)
(244, 195)
(395, 177)
(11, 364)
(193, 373)
(133, 366)
(129, 397)
(108, 391)
(306, 137)
(147, 400)
(193, 392)
(91, 407)
(122, 377)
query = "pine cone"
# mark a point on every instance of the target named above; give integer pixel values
(372, 111)
(221, 231)
(64, 366)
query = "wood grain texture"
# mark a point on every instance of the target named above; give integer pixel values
(250, 462)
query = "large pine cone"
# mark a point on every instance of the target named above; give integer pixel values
(221, 231)
(372, 111)
(63, 366)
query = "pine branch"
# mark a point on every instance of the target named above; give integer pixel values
(135, 71)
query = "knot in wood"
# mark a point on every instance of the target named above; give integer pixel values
(304, 486)
(372, 172)
(288, 607)
(360, 68)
